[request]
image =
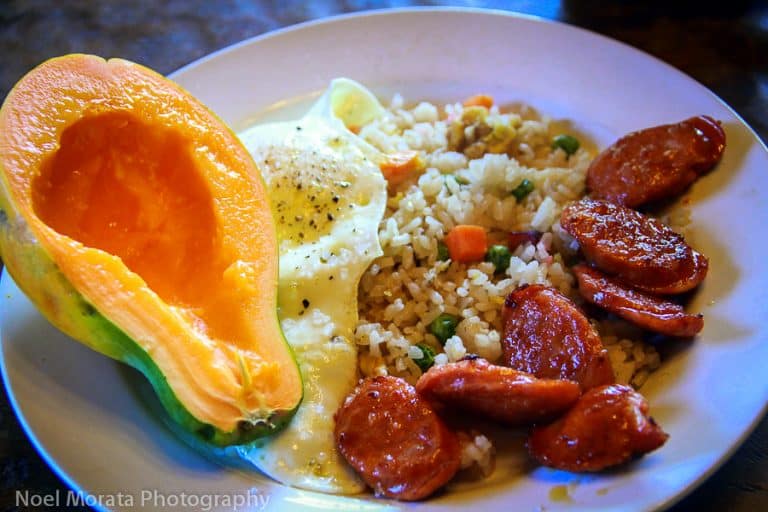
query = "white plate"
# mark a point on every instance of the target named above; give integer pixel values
(97, 424)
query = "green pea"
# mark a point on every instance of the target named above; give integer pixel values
(427, 358)
(499, 255)
(523, 189)
(567, 143)
(442, 252)
(443, 327)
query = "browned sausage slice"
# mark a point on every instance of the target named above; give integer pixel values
(652, 313)
(656, 163)
(502, 394)
(608, 426)
(547, 335)
(639, 250)
(395, 440)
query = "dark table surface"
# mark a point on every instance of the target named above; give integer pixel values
(725, 47)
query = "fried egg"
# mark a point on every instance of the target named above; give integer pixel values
(328, 197)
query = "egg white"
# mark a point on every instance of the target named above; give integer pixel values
(328, 197)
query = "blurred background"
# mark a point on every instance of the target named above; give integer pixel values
(723, 45)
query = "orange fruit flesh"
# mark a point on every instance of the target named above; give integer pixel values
(132, 190)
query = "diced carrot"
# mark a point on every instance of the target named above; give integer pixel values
(466, 243)
(399, 166)
(479, 100)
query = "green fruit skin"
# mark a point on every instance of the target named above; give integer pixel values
(54, 296)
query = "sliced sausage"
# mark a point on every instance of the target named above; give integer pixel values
(639, 250)
(502, 394)
(608, 426)
(547, 335)
(394, 439)
(656, 163)
(647, 311)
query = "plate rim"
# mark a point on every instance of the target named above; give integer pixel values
(464, 9)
